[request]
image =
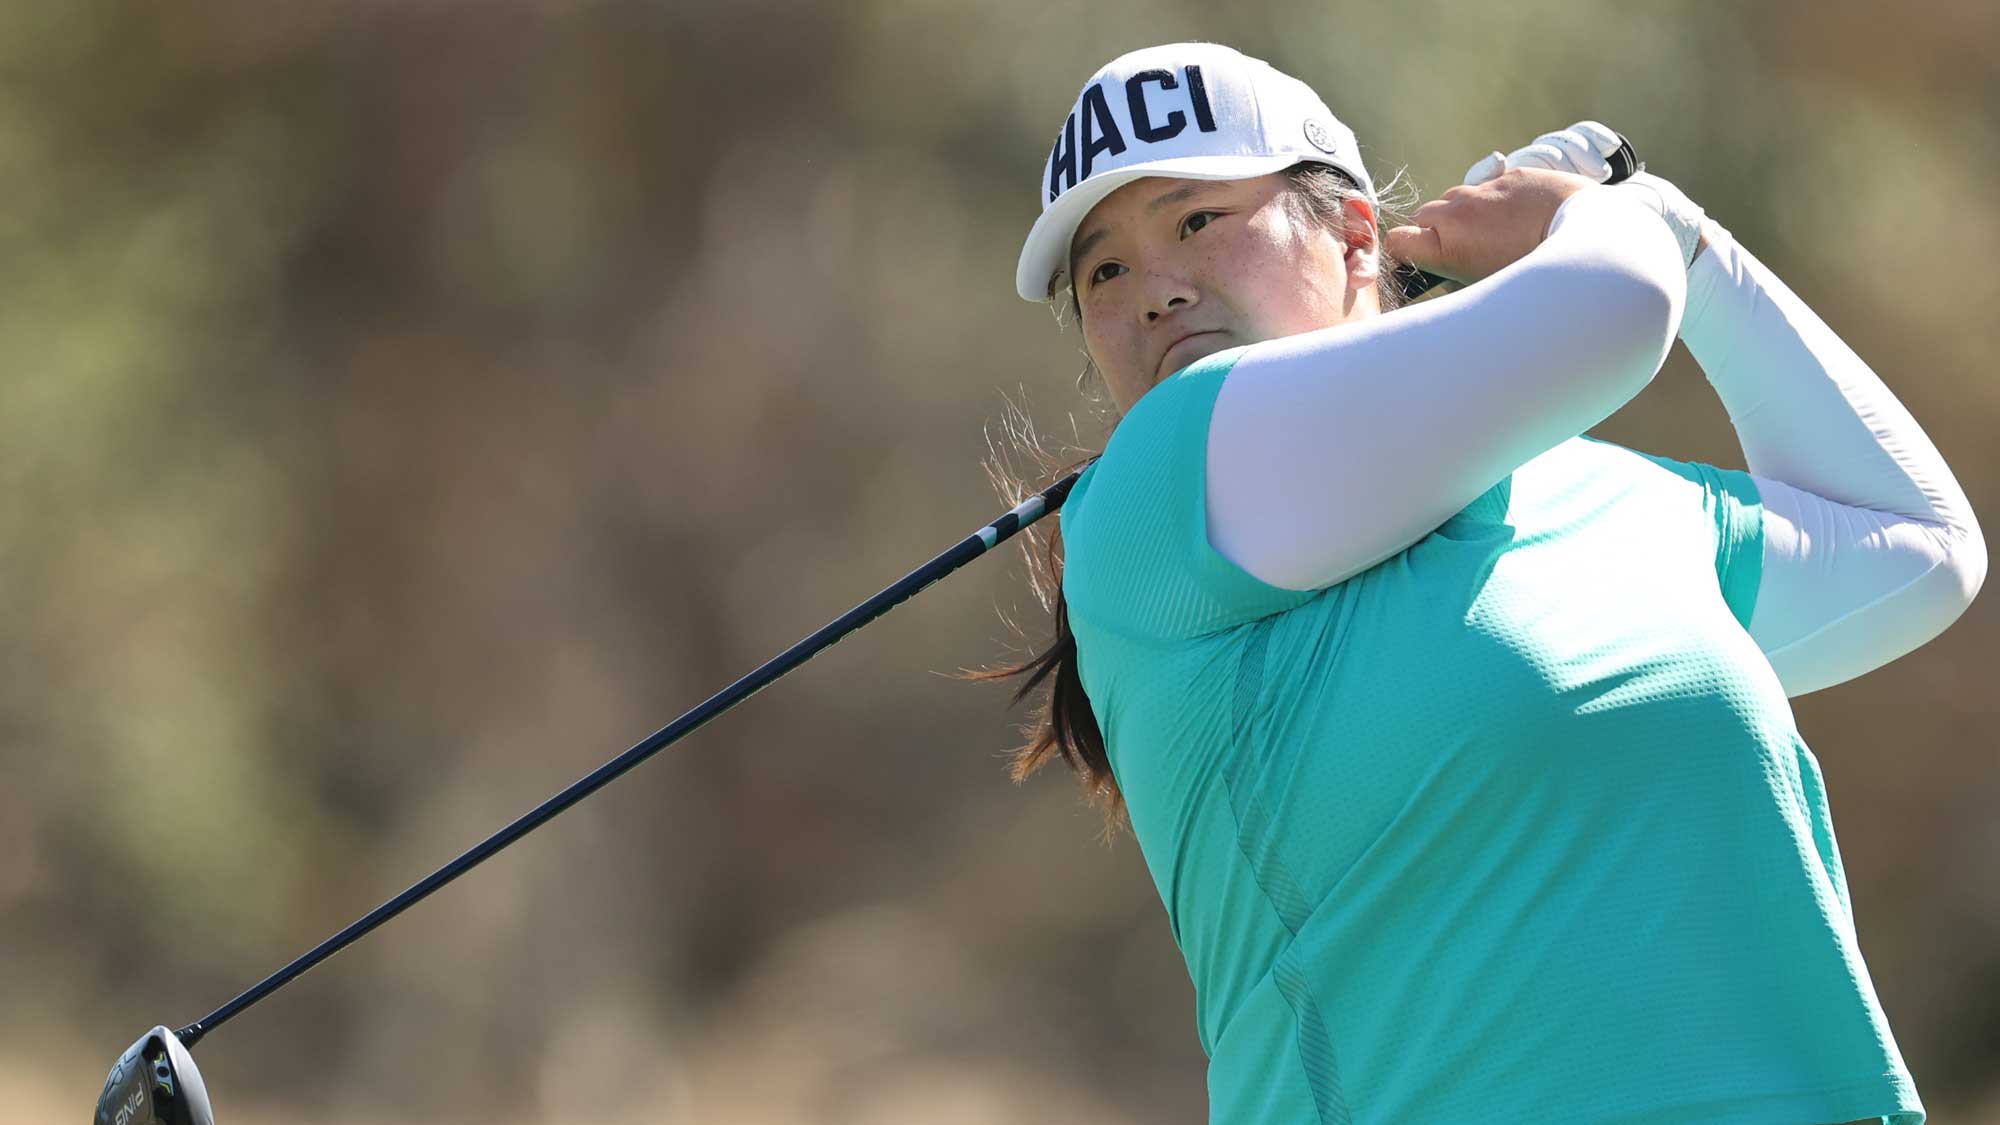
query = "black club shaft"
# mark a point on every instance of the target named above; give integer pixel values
(971, 547)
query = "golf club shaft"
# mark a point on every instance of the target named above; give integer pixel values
(971, 547)
(1415, 282)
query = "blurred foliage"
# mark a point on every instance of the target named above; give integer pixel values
(404, 407)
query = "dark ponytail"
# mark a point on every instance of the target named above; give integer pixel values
(1062, 725)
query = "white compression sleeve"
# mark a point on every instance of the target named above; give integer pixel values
(1870, 548)
(1331, 450)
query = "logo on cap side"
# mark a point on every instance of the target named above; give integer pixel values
(1317, 134)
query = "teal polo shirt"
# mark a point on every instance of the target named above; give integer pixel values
(1514, 826)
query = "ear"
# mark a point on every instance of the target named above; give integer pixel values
(1363, 252)
(1360, 224)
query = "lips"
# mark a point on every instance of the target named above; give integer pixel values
(1167, 367)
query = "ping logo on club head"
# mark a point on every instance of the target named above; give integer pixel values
(1092, 129)
(129, 1112)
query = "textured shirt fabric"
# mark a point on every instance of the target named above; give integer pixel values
(1514, 825)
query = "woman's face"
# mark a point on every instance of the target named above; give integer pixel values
(1168, 271)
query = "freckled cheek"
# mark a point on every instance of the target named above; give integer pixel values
(1275, 238)
(1113, 350)
(1286, 293)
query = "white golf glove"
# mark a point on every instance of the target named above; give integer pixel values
(1583, 149)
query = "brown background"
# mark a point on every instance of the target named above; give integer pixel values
(404, 407)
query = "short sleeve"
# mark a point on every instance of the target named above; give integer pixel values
(1137, 559)
(1736, 509)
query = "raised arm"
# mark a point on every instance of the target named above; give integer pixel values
(1482, 380)
(1870, 547)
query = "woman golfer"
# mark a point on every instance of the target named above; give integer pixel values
(1457, 744)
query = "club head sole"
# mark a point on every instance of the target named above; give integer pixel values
(155, 1082)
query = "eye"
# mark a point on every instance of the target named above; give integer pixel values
(1196, 221)
(1099, 275)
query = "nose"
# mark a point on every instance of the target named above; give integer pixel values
(1166, 294)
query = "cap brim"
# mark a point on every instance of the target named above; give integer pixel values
(1047, 248)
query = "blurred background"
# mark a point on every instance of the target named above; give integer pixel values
(405, 407)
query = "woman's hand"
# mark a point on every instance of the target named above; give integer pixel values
(1472, 232)
(1586, 148)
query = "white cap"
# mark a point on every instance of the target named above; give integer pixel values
(1196, 111)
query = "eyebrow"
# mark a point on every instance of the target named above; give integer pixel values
(1164, 199)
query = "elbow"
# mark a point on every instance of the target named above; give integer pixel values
(1658, 295)
(1662, 301)
(1640, 310)
(1609, 320)
(1967, 560)
(1893, 622)
(1621, 282)
(1640, 291)
(1942, 596)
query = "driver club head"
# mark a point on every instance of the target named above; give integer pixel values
(154, 1083)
